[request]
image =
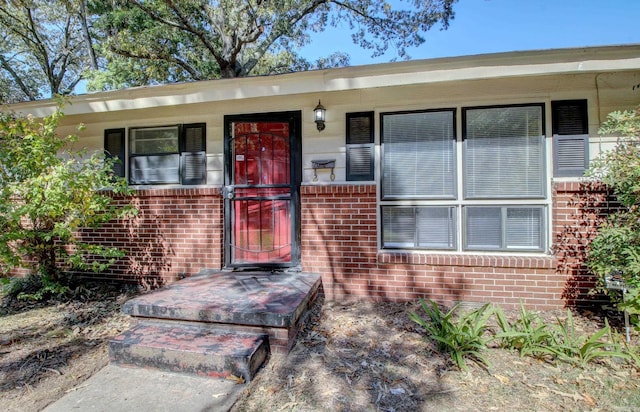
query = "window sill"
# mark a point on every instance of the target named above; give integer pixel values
(465, 259)
(176, 190)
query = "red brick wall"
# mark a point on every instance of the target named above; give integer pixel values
(339, 240)
(578, 209)
(176, 233)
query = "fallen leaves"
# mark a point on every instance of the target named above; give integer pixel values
(503, 379)
(238, 380)
(367, 356)
(48, 349)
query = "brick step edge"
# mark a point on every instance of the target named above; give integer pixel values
(191, 349)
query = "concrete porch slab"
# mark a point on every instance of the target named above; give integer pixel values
(270, 299)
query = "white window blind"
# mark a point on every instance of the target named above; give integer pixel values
(504, 152)
(524, 228)
(436, 227)
(504, 228)
(419, 155)
(425, 227)
(483, 228)
(399, 226)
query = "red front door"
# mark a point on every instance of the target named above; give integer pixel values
(260, 193)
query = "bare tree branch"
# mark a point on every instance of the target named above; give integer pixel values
(17, 78)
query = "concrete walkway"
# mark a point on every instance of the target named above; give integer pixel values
(116, 388)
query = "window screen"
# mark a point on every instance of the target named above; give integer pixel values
(155, 155)
(419, 155)
(169, 154)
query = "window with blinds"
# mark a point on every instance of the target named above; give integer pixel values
(430, 227)
(495, 199)
(154, 155)
(504, 228)
(419, 155)
(504, 161)
(167, 154)
(504, 152)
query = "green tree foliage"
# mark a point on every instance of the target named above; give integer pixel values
(616, 249)
(44, 48)
(148, 41)
(47, 194)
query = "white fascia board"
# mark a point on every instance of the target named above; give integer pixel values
(490, 66)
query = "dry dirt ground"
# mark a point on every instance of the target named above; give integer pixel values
(370, 357)
(48, 350)
(350, 357)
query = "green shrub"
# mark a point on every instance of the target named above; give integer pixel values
(616, 248)
(461, 336)
(34, 288)
(49, 191)
(464, 336)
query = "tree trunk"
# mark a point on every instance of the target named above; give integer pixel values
(47, 265)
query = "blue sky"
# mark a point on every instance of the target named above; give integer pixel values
(487, 26)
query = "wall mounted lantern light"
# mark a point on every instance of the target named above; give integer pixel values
(319, 116)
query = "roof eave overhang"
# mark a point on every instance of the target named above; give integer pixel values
(418, 72)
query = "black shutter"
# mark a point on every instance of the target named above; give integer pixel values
(360, 147)
(193, 155)
(570, 117)
(114, 149)
(570, 137)
(570, 155)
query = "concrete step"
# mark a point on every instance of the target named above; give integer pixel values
(190, 349)
(246, 298)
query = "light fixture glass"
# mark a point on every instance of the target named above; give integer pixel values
(319, 116)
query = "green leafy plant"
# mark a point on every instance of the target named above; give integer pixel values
(49, 192)
(572, 347)
(48, 289)
(616, 248)
(462, 336)
(33, 288)
(631, 351)
(529, 335)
